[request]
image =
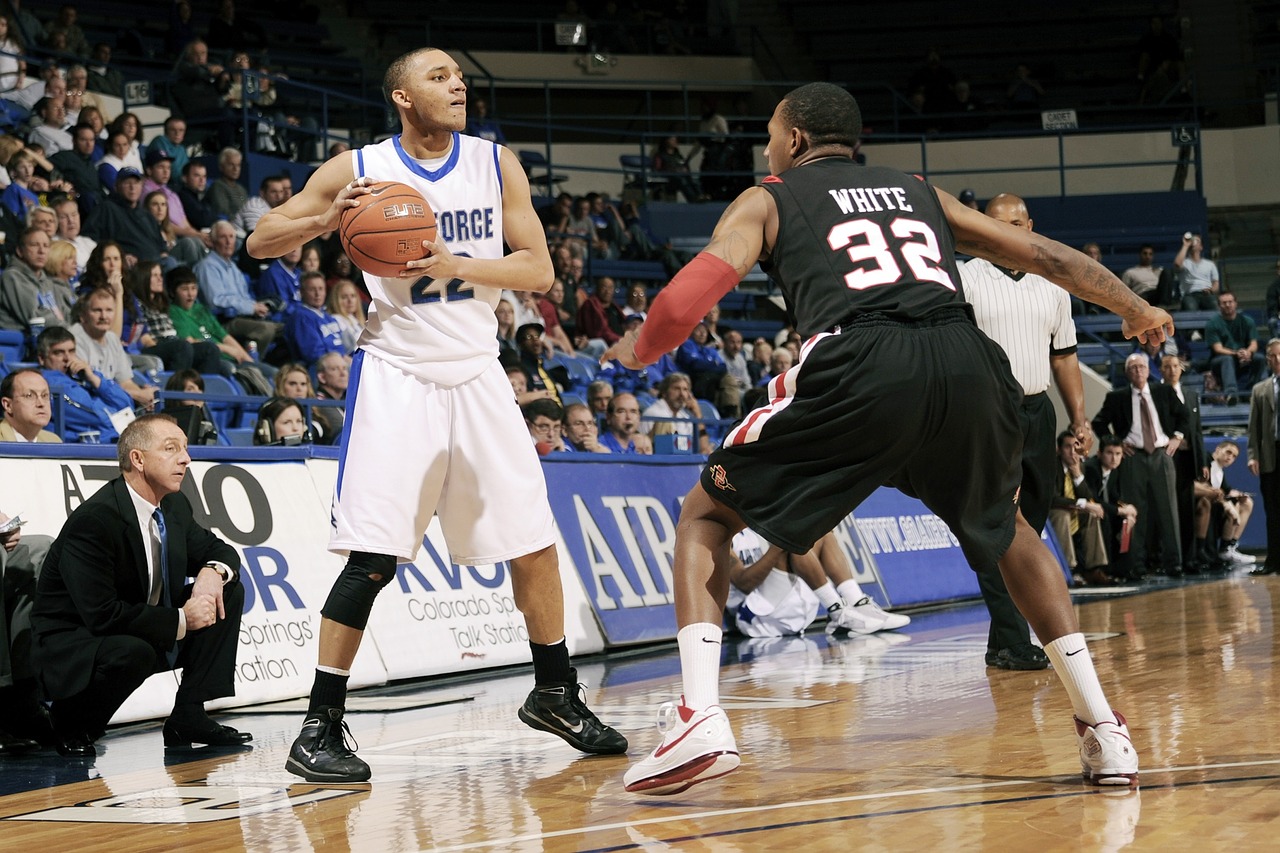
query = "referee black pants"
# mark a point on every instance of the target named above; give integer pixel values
(1039, 458)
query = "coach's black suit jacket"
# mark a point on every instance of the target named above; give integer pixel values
(1116, 415)
(94, 584)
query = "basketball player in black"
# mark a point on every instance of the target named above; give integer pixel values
(895, 385)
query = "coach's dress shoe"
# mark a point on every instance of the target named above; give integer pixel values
(15, 745)
(1265, 570)
(76, 746)
(182, 736)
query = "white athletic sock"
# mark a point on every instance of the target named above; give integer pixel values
(700, 664)
(850, 591)
(827, 595)
(333, 670)
(1071, 660)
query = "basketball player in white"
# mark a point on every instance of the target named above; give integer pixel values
(430, 408)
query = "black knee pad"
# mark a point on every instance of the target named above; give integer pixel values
(351, 598)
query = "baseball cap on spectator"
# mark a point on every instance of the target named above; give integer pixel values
(526, 327)
(156, 155)
(128, 172)
(967, 196)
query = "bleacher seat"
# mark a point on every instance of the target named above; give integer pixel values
(239, 436)
(545, 179)
(639, 177)
(225, 415)
(13, 345)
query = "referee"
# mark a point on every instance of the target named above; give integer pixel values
(1030, 317)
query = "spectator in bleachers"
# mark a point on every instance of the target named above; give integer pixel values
(1233, 343)
(544, 420)
(610, 232)
(60, 267)
(737, 376)
(481, 125)
(227, 195)
(78, 81)
(193, 322)
(935, 80)
(22, 193)
(279, 283)
(542, 376)
(309, 330)
(101, 347)
(675, 400)
(225, 289)
(27, 292)
(581, 430)
(105, 269)
(72, 36)
(51, 132)
(1105, 474)
(131, 126)
(780, 361)
(702, 363)
(553, 214)
(24, 399)
(114, 160)
(102, 77)
(89, 399)
(271, 194)
(1197, 275)
(68, 214)
(761, 355)
(193, 195)
(173, 143)
(280, 423)
(1144, 278)
(623, 379)
(122, 217)
(508, 350)
(599, 394)
(181, 30)
(1025, 91)
(621, 434)
(525, 304)
(333, 375)
(669, 162)
(25, 24)
(637, 301)
(1152, 422)
(599, 319)
(548, 305)
(189, 381)
(147, 303)
(230, 29)
(79, 165)
(569, 267)
(1222, 512)
(43, 218)
(712, 321)
(345, 306)
(26, 95)
(294, 381)
(13, 71)
(1076, 515)
(196, 91)
(182, 248)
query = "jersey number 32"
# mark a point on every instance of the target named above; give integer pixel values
(914, 242)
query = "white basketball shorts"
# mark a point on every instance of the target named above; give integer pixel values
(413, 449)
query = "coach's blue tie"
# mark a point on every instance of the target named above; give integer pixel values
(164, 558)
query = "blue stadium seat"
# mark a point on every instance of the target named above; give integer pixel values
(13, 345)
(225, 415)
(239, 436)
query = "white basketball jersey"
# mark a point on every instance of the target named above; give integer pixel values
(440, 331)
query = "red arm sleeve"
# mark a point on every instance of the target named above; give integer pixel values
(682, 304)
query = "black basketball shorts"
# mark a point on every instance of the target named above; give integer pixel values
(930, 407)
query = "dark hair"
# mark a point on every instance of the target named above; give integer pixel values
(117, 126)
(191, 164)
(828, 114)
(262, 185)
(1220, 443)
(398, 72)
(265, 431)
(177, 277)
(1109, 440)
(178, 381)
(1066, 433)
(51, 337)
(93, 273)
(6, 384)
(543, 406)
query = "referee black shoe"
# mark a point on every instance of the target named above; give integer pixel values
(559, 709)
(1024, 657)
(321, 754)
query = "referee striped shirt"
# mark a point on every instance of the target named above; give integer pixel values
(1028, 316)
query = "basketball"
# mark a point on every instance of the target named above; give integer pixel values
(385, 230)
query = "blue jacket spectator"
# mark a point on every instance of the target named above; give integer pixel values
(87, 398)
(623, 379)
(310, 330)
(279, 285)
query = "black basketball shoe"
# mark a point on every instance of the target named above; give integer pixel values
(320, 752)
(559, 709)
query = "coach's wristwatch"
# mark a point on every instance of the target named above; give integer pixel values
(224, 571)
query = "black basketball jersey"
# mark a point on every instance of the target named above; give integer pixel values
(855, 239)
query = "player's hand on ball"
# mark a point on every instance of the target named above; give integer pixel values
(344, 200)
(439, 263)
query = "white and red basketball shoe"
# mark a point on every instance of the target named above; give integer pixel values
(697, 746)
(1107, 756)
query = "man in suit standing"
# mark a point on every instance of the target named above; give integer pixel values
(1188, 465)
(133, 586)
(1152, 423)
(1263, 446)
(1105, 476)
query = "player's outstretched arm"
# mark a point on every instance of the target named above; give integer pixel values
(1016, 248)
(314, 211)
(736, 245)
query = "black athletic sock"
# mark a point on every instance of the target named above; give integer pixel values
(551, 663)
(328, 691)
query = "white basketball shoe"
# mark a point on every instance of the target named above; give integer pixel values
(888, 621)
(854, 619)
(697, 746)
(1107, 756)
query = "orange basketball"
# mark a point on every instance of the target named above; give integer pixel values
(385, 230)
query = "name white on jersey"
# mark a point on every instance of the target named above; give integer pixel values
(440, 331)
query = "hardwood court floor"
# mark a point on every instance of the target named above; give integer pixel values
(887, 743)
